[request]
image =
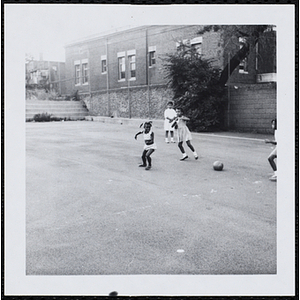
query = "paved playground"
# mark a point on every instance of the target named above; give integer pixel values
(90, 210)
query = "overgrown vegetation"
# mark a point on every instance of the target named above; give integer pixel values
(40, 94)
(45, 117)
(196, 90)
(239, 49)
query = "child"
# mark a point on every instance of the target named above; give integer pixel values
(273, 154)
(184, 135)
(170, 115)
(150, 145)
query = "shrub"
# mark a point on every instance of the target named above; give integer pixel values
(44, 117)
(196, 90)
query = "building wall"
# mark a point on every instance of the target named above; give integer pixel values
(163, 38)
(136, 102)
(252, 107)
(55, 74)
(146, 96)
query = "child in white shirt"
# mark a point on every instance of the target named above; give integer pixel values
(149, 146)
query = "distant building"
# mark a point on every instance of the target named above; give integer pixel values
(122, 74)
(135, 57)
(46, 74)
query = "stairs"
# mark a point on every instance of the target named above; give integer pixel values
(60, 109)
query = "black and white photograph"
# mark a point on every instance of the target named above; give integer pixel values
(141, 150)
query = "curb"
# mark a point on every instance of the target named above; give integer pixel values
(159, 124)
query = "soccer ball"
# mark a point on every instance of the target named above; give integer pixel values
(218, 166)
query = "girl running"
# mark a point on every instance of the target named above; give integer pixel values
(184, 135)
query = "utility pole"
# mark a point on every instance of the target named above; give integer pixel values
(228, 90)
(128, 81)
(107, 79)
(147, 75)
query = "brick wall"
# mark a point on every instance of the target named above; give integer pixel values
(252, 107)
(163, 38)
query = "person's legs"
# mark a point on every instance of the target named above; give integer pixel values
(149, 152)
(166, 136)
(144, 159)
(184, 155)
(192, 148)
(271, 159)
(172, 136)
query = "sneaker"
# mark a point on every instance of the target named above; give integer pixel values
(196, 157)
(172, 140)
(148, 168)
(167, 141)
(142, 165)
(184, 157)
(273, 178)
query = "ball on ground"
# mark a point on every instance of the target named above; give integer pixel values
(218, 166)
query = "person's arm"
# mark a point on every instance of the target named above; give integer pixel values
(171, 120)
(184, 118)
(175, 122)
(136, 135)
(271, 142)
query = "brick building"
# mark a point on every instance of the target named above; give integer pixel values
(121, 73)
(46, 74)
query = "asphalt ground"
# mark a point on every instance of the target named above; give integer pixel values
(90, 210)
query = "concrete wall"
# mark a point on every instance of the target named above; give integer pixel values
(252, 107)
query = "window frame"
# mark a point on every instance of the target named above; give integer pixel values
(85, 73)
(195, 42)
(121, 66)
(103, 64)
(152, 58)
(77, 72)
(132, 66)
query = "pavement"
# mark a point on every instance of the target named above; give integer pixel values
(90, 210)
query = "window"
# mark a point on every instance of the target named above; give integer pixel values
(81, 71)
(196, 44)
(152, 51)
(121, 67)
(131, 60)
(243, 67)
(151, 58)
(103, 64)
(85, 73)
(181, 46)
(77, 73)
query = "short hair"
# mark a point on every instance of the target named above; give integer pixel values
(170, 102)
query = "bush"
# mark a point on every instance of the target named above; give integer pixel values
(44, 117)
(196, 90)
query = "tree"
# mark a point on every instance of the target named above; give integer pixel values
(250, 35)
(196, 90)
